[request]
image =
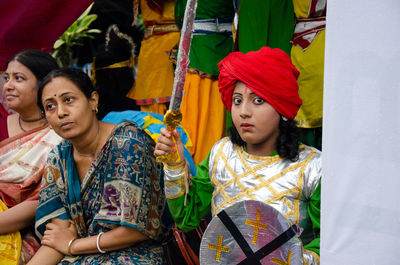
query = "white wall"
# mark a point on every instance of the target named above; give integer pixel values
(361, 130)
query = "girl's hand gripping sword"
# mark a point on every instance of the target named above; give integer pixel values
(173, 117)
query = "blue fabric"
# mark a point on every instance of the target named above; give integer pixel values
(138, 118)
(123, 187)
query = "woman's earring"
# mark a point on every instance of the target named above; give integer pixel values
(284, 118)
(96, 110)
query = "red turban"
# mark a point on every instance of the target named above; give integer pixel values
(269, 73)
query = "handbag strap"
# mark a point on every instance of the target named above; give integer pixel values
(182, 244)
(192, 254)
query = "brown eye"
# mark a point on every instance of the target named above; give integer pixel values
(49, 106)
(237, 101)
(19, 78)
(258, 101)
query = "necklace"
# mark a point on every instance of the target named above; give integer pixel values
(20, 124)
(97, 145)
(33, 120)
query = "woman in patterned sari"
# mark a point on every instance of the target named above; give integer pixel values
(101, 199)
(23, 154)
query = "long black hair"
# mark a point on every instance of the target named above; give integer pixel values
(40, 63)
(287, 144)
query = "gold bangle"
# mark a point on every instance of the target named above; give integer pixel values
(179, 165)
(69, 246)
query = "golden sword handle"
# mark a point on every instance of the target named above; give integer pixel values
(172, 119)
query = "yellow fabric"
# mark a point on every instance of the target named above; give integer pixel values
(301, 8)
(159, 108)
(155, 73)
(10, 245)
(167, 15)
(148, 120)
(127, 63)
(310, 63)
(203, 114)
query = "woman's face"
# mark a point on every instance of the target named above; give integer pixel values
(67, 109)
(254, 118)
(20, 87)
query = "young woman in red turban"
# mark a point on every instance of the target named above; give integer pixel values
(261, 160)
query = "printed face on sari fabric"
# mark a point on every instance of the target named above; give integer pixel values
(121, 187)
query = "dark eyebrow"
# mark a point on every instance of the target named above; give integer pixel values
(63, 94)
(47, 99)
(18, 73)
(237, 93)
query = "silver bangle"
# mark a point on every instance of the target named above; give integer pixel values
(97, 243)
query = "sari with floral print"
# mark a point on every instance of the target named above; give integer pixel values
(123, 187)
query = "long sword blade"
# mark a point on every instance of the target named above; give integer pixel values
(173, 117)
(183, 55)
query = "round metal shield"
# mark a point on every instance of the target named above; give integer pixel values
(258, 224)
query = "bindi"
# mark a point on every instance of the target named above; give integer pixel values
(55, 95)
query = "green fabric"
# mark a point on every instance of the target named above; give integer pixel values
(314, 211)
(206, 9)
(207, 51)
(312, 137)
(198, 202)
(266, 23)
(274, 153)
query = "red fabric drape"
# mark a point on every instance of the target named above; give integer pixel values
(35, 24)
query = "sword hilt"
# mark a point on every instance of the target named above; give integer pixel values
(172, 120)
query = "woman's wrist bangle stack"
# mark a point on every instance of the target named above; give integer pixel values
(97, 243)
(69, 246)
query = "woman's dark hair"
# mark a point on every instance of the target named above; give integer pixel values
(287, 144)
(80, 79)
(40, 63)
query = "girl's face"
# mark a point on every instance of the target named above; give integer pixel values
(20, 87)
(67, 109)
(255, 119)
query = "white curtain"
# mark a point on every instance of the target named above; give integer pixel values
(361, 134)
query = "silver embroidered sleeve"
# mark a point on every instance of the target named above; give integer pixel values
(174, 181)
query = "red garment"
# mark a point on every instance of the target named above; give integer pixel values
(267, 72)
(3, 123)
(35, 24)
